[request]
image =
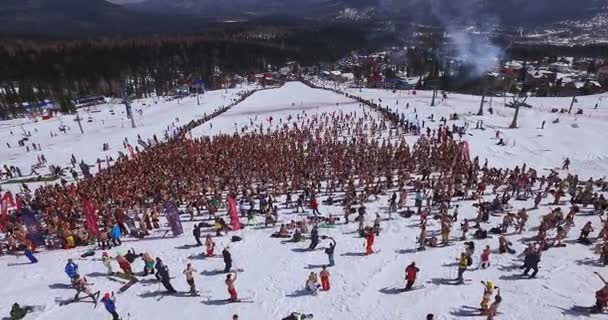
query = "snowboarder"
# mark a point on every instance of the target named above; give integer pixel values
(162, 273)
(110, 305)
(324, 274)
(190, 278)
(230, 286)
(227, 260)
(209, 245)
(411, 272)
(330, 252)
(566, 164)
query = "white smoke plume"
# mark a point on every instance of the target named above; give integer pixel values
(474, 50)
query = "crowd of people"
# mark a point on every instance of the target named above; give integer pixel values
(346, 157)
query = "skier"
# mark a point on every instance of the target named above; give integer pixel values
(488, 290)
(116, 234)
(148, 264)
(330, 252)
(210, 245)
(230, 286)
(463, 263)
(110, 305)
(124, 265)
(566, 164)
(81, 285)
(485, 258)
(584, 237)
(196, 232)
(162, 273)
(531, 260)
(227, 260)
(494, 307)
(71, 269)
(314, 238)
(601, 296)
(107, 262)
(411, 272)
(369, 238)
(314, 205)
(324, 274)
(190, 278)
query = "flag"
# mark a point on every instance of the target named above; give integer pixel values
(7, 200)
(466, 152)
(92, 218)
(133, 155)
(34, 229)
(234, 215)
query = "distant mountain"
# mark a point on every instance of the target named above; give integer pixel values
(85, 17)
(313, 9)
(81, 17)
(506, 12)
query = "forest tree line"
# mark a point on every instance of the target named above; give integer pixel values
(32, 71)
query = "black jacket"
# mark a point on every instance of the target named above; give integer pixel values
(227, 257)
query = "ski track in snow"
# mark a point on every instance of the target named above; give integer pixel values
(274, 273)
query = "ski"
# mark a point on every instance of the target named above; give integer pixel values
(127, 285)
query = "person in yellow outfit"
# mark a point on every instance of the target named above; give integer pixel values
(488, 290)
(463, 263)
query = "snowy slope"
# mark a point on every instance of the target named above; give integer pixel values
(361, 286)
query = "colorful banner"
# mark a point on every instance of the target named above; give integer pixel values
(34, 229)
(92, 218)
(173, 217)
(466, 152)
(235, 223)
(7, 200)
(132, 151)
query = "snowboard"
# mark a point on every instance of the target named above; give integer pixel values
(69, 301)
(418, 287)
(586, 309)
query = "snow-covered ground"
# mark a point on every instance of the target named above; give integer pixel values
(361, 286)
